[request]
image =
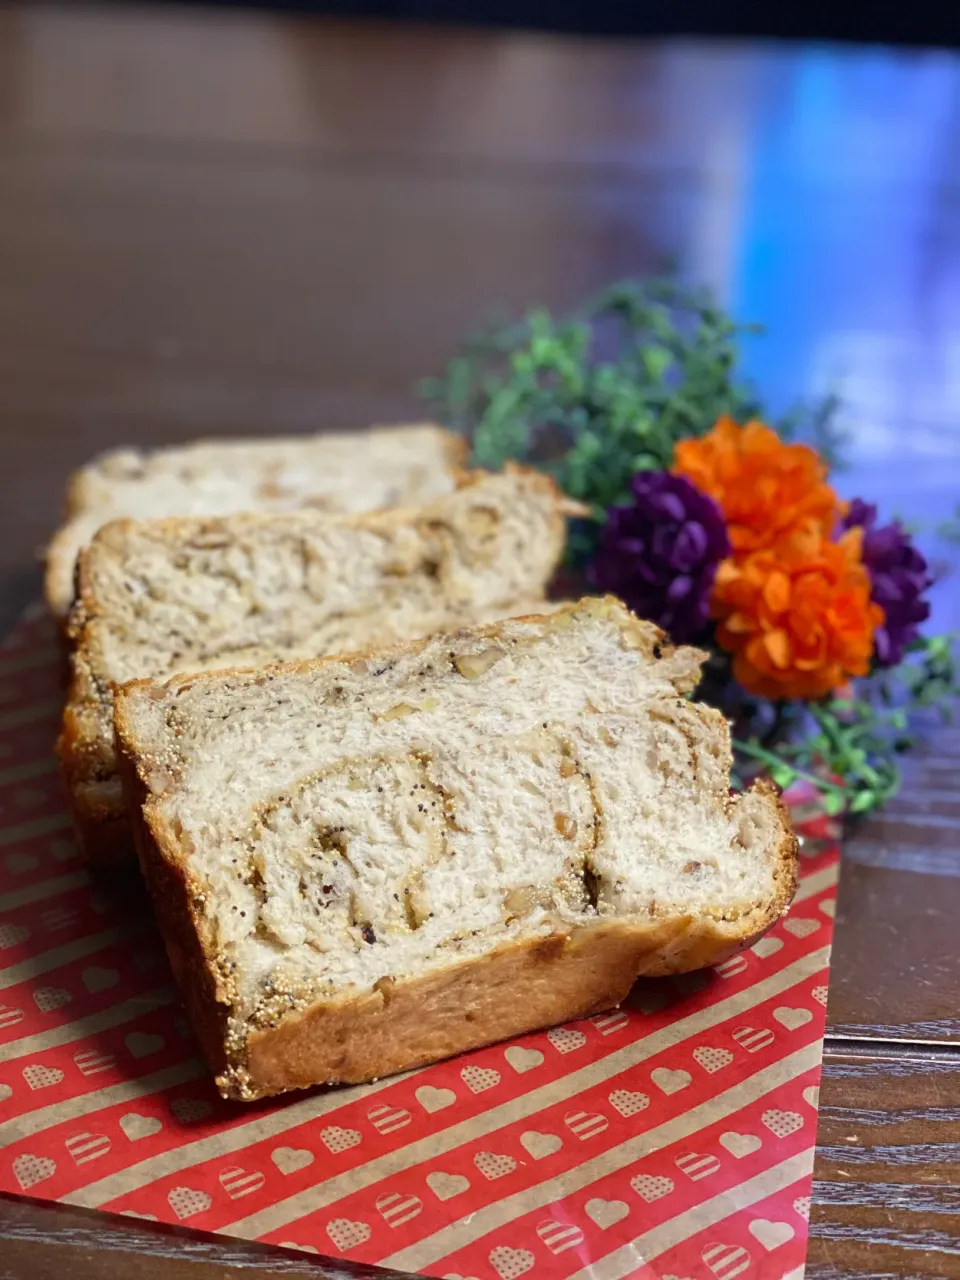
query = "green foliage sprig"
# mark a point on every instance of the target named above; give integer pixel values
(609, 391)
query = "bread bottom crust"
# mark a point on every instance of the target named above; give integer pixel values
(521, 987)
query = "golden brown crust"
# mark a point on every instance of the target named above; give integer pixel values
(173, 894)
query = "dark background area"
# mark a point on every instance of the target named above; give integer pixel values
(925, 22)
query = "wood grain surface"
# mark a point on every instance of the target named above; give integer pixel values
(217, 222)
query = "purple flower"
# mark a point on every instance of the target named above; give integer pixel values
(660, 553)
(899, 576)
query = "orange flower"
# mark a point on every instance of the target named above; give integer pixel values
(798, 616)
(764, 487)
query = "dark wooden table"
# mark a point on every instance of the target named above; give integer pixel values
(215, 222)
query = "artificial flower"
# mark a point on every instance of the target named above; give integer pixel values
(764, 488)
(660, 552)
(898, 578)
(798, 617)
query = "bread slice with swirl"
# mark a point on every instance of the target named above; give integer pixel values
(186, 595)
(348, 471)
(364, 864)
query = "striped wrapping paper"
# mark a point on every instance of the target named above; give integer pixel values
(671, 1138)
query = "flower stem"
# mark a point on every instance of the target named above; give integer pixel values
(756, 752)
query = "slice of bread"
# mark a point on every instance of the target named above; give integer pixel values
(349, 471)
(182, 595)
(364, 864)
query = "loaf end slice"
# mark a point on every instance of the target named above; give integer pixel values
(362, 865)
(192, 594)
(336, 471)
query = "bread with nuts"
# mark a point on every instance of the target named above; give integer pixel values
(337, 471)
(364, 864)
(185, 595)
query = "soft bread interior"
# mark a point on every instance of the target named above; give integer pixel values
(336, 472)
(158, 597)
(188, 595)
(349, 822)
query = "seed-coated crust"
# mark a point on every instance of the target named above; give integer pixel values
(85, 744)
(520, 987)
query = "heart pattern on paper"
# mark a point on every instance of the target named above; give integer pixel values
(740, 1144)
(510, 1263)
(811, 1095)
(820, 994)
(185, 1202)
(91, 1062)
(651, 1187)
(11, 935)
(479, 1079)
(492, 1165)
(606, 1213)
(607, 1023)
(564, 1040)
(802, 1206)
(96, 979)
(712, 1059)
(447, 1185)
(387, 1119)
(697, 1166)
(829, 907)
(540, 1145)
(396, 1209)
(336, 1139)
(49, 998)
(304, 1248)
(9, 1016)
(627, 1103)
(732, 967)
(523, 1059)
(136, 1126)
(5, 1092)
(670, 1081)
(753, 1039)
(559, 1236)
(771, 1234)
(291, 1159)
(29, 1170)
(84, 1147)
(782, 1123)
(792, 1019)
(346, 1234)
(432, 1099)
(238, 1182)
(141, 1043)
(190, 1110)
(767, 947)
(39, 1077)
(585, 1124)
(726, 1260)
(801, 926)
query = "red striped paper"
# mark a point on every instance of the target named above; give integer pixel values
(672, 1138)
